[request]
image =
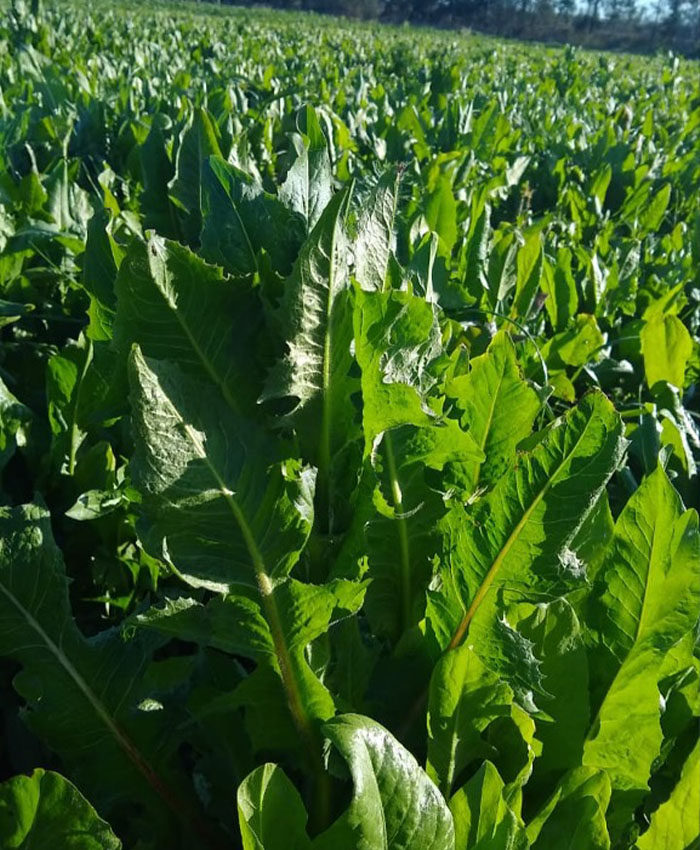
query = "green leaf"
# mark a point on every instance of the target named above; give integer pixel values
(464, 699)
(666, 346)
(497, 405)
(577, 346)
(308, 188)
(483, 818)
(177, 307)
(397, 339)
(198, 141)
(84, 388)
(556, 636)
(158, 171)
(403, 540)
(675, 824)
(574, 817)
(648, 601)
(529, 265)
(239, 220)
(516, 537)
(270, 812)
(236, 623)
(82, 695)
(224, 507)
(316, 369)
(394, 803)
(559, 286)
(441, 213)
(375, 239)
(101, 263)
(14, 421)
(219, 502)
(477, 244)
(650, 220)
(45, 810)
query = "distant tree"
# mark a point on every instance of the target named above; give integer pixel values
(621, 11)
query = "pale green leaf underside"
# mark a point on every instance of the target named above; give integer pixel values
(216, 504)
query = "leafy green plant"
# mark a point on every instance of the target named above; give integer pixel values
(345, 452)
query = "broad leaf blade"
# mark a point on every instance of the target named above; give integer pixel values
(270, 812)
(675, 824)
(239, 220)
(464, 698)
(82, 695)
(218, 501)
(177, 307)
(376, 239)
(308, 186)
(516, 536)
(574, 817)
(650, 594)
(198, 141)
(316, 369)
(498, 406)
(483, 818)
(394, 803)
(46, 810)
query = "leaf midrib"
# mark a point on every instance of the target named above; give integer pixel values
(206, 363)
(265, 586)
(326, 426)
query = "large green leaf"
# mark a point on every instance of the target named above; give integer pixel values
(555, 632)
(45, 810)
(483, 818)
(177, 307)
(394, 803)
(308, 187)
(159, 212)
(403, 539)
(271, 813)
(666, 346)
(464, 698)
(497, 405)
(315, 372)
(516, 537)
(83, 696)
(375, 239)
(239, 220)
(219, 501)
(397, 340)
(574, 816)
(648, 602)
(198, 141)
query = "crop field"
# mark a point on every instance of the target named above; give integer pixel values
(349, 434)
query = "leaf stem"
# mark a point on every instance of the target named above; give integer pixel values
(74, 430)
(404, 553)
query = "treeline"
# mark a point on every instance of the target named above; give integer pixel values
(638, 25)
